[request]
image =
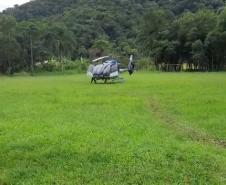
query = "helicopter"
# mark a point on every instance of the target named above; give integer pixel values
(107, 68)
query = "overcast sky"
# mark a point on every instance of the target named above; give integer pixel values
(10, 3)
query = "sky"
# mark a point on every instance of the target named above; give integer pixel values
(10, 3)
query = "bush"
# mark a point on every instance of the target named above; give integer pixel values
(57, 66)
(145, 64)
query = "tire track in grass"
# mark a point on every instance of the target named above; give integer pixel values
(182, 128)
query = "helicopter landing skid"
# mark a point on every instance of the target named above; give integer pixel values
(112, 80)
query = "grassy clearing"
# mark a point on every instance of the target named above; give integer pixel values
(153, 129)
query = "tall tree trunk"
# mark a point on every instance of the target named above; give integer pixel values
(156, 65)
(32, 58)
(60, 53)
(61, 48)
(8, 60)
(8, 67)
(212, 62)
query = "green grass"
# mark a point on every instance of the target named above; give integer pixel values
(156, 128)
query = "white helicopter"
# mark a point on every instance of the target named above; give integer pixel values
(107, 68)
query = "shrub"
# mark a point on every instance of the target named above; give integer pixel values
(54, 65)
(145, 64)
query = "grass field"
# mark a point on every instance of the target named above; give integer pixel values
(156, 128)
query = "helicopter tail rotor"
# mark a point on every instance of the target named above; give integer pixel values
(131, 65)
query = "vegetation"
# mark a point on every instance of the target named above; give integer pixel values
(170, 32)
(157, 128)
(169, 129)
(194, 38)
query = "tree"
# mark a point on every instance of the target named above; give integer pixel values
(198, 54)
(156, 23)
(101, 46)
(193, 27)
(59, 41)
(29, 34)
(215, 43)
(9, 48)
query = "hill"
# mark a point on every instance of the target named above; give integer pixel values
(89, 28)
(46, 8)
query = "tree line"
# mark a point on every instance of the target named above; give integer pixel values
(196, 39)
(169, 32)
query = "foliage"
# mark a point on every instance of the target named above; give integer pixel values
(165, 30)
(145, 63)
(54, 65)
(193, 38)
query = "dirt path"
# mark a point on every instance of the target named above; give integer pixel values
(181, 128)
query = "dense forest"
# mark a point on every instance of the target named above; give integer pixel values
(171, 33)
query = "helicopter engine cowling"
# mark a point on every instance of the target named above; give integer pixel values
(108, 69)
